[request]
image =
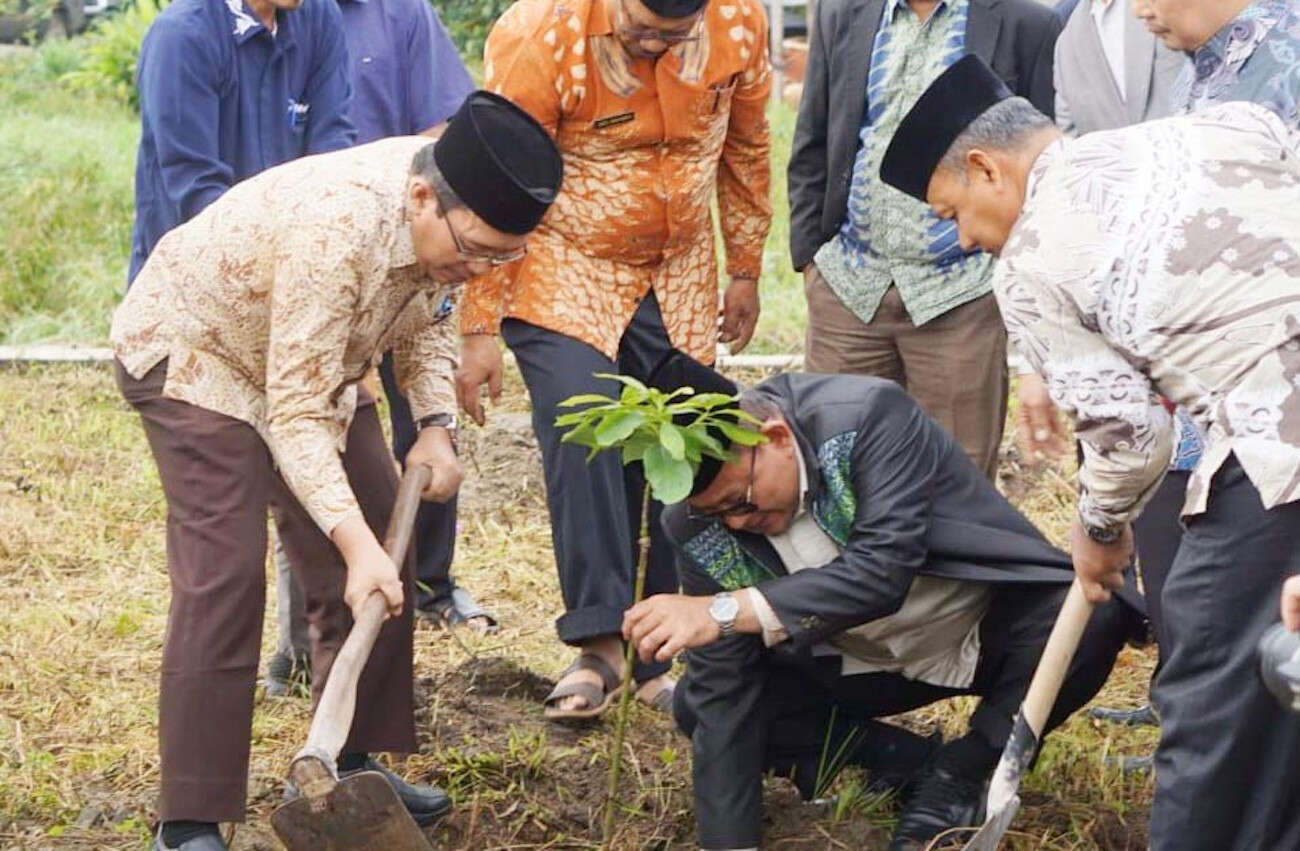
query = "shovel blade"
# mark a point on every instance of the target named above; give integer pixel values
(995, 827)
(361, 812)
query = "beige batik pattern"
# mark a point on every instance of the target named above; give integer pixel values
(1163, 258)
(646, 147)
(274, 301)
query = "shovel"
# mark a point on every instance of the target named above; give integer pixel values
(361, 811)
(1003, 799)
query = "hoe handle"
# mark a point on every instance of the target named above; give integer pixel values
(1055, 661)
(338, 702)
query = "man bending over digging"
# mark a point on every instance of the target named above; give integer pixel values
(241, 344)
(855, 565)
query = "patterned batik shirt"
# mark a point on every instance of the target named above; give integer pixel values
(272, 303)
(888, 236)
(1163, 258)
(647, 146)
(1254, 57)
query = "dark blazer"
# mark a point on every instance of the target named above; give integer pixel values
(905, 500)
(1014, 37)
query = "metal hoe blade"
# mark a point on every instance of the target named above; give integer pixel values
(1004, 787)
(995, 827)
(361, 812)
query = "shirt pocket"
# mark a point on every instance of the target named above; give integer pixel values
(715, 102)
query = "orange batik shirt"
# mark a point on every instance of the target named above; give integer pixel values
(645, 145)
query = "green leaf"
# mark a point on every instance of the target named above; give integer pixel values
(670, 479)
(584, 435)
(575, 418)
(742, 436)
(588, 399)
(670, 437)
(626, 380)
(618, 426)
(707, 443)
(707, 401)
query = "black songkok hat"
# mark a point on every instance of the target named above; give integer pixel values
(674, 8)
(676, 370)
(956, 98)
(500, 162)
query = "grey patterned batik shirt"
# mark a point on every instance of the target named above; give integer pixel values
(1163, 258)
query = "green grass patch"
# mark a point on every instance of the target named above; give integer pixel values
(66, 171)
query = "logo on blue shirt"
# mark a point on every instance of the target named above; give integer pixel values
(297, 114)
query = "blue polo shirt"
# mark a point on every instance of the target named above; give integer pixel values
(222, 99)
(406, 74)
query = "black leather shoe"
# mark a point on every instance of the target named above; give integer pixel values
(1143, 716)
(426, 804)
(938, 801)
(206, 842)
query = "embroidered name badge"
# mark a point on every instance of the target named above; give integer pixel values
(613, 120)
(297, 113)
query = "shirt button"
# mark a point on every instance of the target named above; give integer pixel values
(810, 622)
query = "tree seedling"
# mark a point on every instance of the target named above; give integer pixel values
(668, 434)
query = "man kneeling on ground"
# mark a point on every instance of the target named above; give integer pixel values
(241, 345)
(855, 565)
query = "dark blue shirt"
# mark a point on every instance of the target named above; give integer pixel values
(221, 99)
(406, 74)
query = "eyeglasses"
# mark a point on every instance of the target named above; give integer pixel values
(634, 33)
(476, 256)
(740, 508)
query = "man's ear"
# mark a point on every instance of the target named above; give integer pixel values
(777, 432)
(420, 192)
(981, 168)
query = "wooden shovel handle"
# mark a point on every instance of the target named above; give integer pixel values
(338, 702)
(1055, 661)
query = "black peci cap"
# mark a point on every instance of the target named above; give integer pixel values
(500, 161)
(676, 370)
(957, 97)
(674, 8)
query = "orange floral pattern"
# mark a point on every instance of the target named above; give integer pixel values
(646, 147)
(275, 300)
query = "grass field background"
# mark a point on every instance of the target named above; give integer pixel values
(83, 596)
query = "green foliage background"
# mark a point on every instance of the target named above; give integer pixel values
(468, 22)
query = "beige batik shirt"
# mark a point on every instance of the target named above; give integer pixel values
(1164, 258)
(275, 300)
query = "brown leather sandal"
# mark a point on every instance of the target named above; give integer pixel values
(598, 699)
(663, 699)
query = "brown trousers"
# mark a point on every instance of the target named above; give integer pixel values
(219, 480)
(955, 365)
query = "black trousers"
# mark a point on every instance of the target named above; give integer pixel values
(807, 712)
(1157, 534)
(1228, 763)
(595, 507)
(435, 523)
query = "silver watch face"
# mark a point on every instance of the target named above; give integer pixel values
(724, 608)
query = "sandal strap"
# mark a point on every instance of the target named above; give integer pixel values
(591, 662)
(590, 692)
(663, 701)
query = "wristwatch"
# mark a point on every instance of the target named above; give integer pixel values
(1103, 534)
(447, 421)
(724, 609)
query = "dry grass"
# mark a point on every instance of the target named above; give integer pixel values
(83, 606)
